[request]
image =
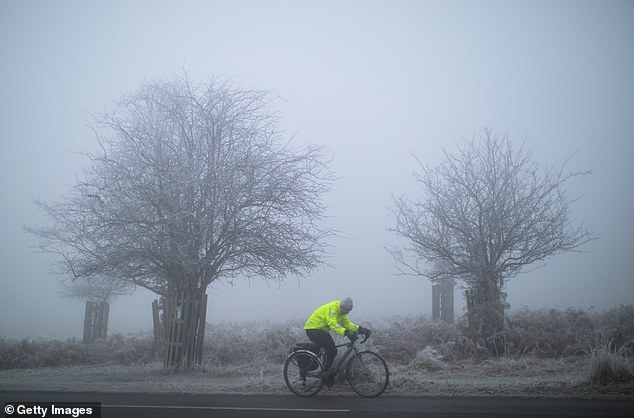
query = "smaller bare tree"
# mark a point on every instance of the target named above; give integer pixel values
(485, 215)
(95, 289)
(97, 292)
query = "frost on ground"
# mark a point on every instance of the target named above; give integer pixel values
(501, 377)
(571, 353)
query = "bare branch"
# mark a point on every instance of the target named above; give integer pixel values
(485, 214)
(191, 186)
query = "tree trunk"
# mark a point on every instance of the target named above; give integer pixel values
(485, 309)
(185, 312)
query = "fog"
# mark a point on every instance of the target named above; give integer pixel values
(372, 81)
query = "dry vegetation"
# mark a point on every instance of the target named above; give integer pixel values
(569, 352)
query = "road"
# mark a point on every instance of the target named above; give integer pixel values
(124, 405)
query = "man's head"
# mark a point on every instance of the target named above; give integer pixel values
(346, 305)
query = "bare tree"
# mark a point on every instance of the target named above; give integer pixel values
(485, 215)
(95, 289)
(193, 184)
(97, 293)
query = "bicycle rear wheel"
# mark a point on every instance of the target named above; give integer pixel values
(303, 373)
(367, 374)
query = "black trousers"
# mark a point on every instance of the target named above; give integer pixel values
(324, 339)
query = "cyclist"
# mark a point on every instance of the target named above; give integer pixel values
(332, 316)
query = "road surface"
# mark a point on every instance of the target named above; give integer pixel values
(124, 405)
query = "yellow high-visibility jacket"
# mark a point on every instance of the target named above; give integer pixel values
(329, 317)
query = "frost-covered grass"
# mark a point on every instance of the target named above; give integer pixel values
(545, 352)
(53, 353)
(555, 333)
(611, 365)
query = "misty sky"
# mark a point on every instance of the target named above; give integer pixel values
(373, 81)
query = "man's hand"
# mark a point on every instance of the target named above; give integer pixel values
(364, 331)
(352, 336)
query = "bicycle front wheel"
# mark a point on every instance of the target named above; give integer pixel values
(367, 374)
(303, 373)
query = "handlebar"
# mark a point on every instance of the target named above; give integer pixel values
(356, 338)
(351, 342)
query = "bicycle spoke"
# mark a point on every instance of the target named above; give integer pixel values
(303, 374)
(367, 374)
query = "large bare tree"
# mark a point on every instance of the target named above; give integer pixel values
(194, 183)
(484, 215)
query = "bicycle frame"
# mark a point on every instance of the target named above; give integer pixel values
(351, 348)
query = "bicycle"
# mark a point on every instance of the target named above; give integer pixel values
(366, 371)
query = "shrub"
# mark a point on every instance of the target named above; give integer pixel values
(544, 333)
(610, 364)
(548, 333)
(42, 353)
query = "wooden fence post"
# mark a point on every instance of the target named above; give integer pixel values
(447, 302)
(156, 319)
(185, 313)
(88, 322)
(96, 321)
(102, 319)
(435, 301)
(442, 302)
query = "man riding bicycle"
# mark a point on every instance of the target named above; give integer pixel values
(332, 316)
